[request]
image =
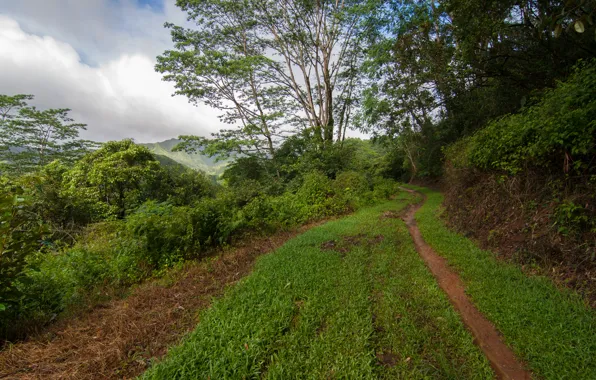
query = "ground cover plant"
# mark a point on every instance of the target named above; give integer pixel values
(552, 330)
(350, 298)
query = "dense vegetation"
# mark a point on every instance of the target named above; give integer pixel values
(74, 234)
(494, 98)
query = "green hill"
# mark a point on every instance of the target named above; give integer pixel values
(194, 161)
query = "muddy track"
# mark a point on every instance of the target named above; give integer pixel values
(486, 336)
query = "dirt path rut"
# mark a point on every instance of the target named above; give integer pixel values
(501, 358)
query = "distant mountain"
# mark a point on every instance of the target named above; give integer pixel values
(163, 152)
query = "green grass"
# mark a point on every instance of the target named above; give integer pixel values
(552, 330)
(308, 312)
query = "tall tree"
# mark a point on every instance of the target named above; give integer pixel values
(443, 69)
(31, 137)
(272, 67)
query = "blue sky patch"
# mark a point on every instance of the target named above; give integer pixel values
(156, 5)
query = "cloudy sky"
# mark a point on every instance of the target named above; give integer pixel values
(96, 57)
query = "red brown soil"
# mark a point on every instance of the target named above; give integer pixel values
(501, 358)
(118, 339)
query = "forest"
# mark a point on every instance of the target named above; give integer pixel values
(492, 103)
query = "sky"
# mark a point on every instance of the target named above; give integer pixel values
(97, 58)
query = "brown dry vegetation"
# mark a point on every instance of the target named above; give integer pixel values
(117, 339)
(515, 217)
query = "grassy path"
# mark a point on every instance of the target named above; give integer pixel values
(552, 330)
(349, 299)
(500, 356)
(353, 299)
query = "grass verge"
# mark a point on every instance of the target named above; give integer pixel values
(348, 299)
(553, 330)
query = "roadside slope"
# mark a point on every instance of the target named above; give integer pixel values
(553, 330)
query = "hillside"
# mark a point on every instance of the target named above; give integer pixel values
(193, 161)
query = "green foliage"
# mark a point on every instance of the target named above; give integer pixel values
(215, 220)
(353, 182)
(22, 234)
(440, 71)
(117, 216)
(185, 186)
(572, 218)
(559, 131)
(166, 233)
(113, 180)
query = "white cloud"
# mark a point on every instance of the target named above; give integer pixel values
(97, 57)
(118, 98)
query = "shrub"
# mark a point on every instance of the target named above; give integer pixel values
(559, 131)
(167, 233)
(353, 182)
(214, 220)
(22, 233)
(384, 188)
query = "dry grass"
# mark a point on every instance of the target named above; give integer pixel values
(117, 339)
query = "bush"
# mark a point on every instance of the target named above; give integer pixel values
(167, 233)
(317, 192)
(559, 131)
(384, 188)
(58, 281)
(353, 182)
(215, 220)
(22, 234)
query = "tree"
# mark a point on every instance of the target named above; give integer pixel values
(439, 71)
(9, 109)
(114, 179)
(31, 137)
(272, 67)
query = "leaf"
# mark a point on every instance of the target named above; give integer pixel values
(558, 30)
(579, 26)
(2, 307)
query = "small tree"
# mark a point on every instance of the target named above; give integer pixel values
(114, 179)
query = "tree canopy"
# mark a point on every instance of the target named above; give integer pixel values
(31, 138)
(272, 67)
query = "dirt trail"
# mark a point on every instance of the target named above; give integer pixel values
(501, 358)
(118, 339)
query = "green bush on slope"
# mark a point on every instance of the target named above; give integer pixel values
(558, 131)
